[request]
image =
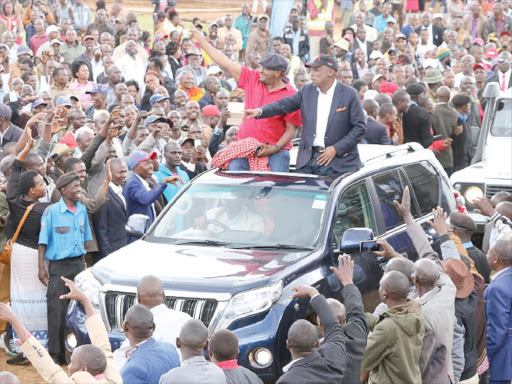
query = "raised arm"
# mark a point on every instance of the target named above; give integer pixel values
(217, 56)
(12, 191)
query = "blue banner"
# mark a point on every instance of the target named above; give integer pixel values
(279, 17)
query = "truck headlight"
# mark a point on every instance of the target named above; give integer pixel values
(250, 302)
(87, 283)
(473, 193)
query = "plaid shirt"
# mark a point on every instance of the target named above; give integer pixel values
(241, 149)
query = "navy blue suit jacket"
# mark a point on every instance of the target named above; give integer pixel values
(376, 133)
(138, 200)
(109, 225)
(346, 125)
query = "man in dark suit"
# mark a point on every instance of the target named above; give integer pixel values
(435, 32)
(10, 132)
(109, 222)
(332, 121)
(311, 364)
(376, 133)
(137, 192)
(416, 121)
(502, 73)
(361, 42)
(352, 319)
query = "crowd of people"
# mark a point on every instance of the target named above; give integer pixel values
(101, 120)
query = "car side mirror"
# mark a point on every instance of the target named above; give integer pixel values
(137, 225)
(352, 239)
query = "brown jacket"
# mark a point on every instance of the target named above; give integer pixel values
(468, 24)
(52, 373)
(258, 42)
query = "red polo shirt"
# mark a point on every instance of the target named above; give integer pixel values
(36, 42)
(257, 95)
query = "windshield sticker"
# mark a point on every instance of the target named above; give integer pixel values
(318, 204)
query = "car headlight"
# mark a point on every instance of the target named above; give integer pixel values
(473, 193)
(250, 302)
(87, 283)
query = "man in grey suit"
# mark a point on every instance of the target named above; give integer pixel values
(9, 133)
(332, 121)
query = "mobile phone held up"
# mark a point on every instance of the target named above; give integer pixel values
(369, 246)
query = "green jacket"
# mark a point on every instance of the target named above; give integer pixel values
(444, 122)
(393, 349)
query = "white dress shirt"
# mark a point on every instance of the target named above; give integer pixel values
(323, 109)
(118, 190)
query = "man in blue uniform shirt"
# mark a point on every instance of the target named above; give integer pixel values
(64, 230)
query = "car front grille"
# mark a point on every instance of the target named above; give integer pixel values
(491, 190)
(118, 303)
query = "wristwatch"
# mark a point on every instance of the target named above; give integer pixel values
(277, 147)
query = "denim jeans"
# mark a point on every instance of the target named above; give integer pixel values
(278, 162)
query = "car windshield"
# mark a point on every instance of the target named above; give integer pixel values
(501, 126)
(243, 217)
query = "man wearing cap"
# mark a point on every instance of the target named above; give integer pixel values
(9, 133)
(461, 146)
(434, 80)
(64, 231)
(416, 121)
(139, 197)
(98, 94)
(333, 121)
(444, 58)
(261, 87)
(502, 75)
(195, 59)
(60, 154)
(259, 40)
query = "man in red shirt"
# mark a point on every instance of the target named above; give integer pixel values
(40, 37)
(261, 87)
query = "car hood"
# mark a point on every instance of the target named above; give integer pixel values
(497, 158)
(184, 267)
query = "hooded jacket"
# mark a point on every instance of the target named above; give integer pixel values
(393, 349)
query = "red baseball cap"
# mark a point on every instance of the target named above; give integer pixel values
(87, 37)
(505, 33)
(388, 87)
(479, 66)
(491, 53)
(479, 41)
(210, 110)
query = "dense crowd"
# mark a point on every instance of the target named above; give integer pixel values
(101, 120)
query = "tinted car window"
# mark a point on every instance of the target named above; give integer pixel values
(389, 187)
(354, 211)
(425, 183)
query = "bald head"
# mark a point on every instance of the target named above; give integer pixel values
(499, 197)
(338, 309)
(193, 335)
(302, 337)
(443, 94)
(400, 265)
(150, 291)
(395, 285)
(224, 345)
(139, 321)
(502, 249)
(8, 378)
(91, 357)
(425, 273)
(505, 209)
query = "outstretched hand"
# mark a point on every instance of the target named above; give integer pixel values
(388, 252)
(404, 208)
(174, 180)
(439, 224)
(74, 293)
(303, 291)
(345, 271)
(252, 112)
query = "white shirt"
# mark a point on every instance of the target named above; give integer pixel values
(132, 68)
(168, 325)
(323, 109)
(97, 68)
(507, 78)
(118, 190)
(430, 35)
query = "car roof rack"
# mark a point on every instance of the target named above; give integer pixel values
(407, 148)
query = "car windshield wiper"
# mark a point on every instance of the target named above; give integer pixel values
(200, 242)
(273, 246)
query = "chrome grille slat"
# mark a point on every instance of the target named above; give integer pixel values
(116, 304)
(491, 190)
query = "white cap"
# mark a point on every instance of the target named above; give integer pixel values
(375, 55)
(52, 28)
(213, 70)
(370, 94)
(437, 16)
(343, 44)
(430, 63)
